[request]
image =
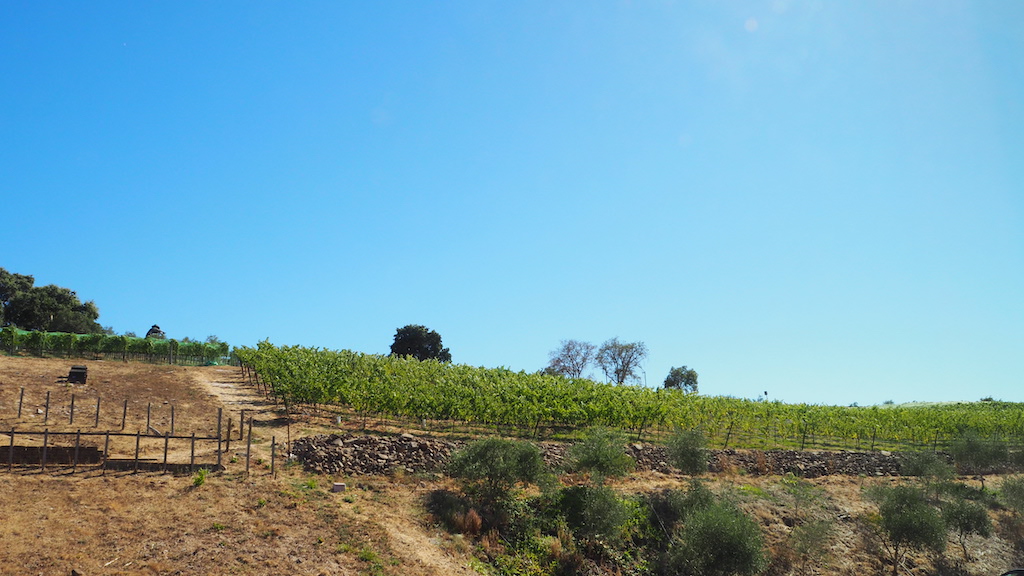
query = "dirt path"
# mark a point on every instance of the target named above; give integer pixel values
(409, 540)
(230, 388)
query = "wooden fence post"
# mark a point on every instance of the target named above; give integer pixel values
(46, 438)
(138, 437)
(78, 442)
(46, 415)
(241, 426)
(21, 400)
(192, 457)
(106, 452)
(220, 416)
(124, 413)
(149, 411)
(97, 424)
(10, 453)
(273, 456)
(227, 446)
(71, 414)
(248, 448)
(172, 419)
(167, 440)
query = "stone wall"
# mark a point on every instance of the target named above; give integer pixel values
(351, 454)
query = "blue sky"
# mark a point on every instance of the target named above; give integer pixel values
(822, 200)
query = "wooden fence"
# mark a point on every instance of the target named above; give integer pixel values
(65, 448)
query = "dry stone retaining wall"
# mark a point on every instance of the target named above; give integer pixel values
(352, 454)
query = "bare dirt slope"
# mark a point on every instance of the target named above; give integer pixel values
(122, 522)
(152, 523)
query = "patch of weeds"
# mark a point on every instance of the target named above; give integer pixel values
(218, 527)
(200, 477)
(368, 555)
(261, 502)
(349, 498)
(753, 491)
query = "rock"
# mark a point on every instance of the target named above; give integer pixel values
(352, 454)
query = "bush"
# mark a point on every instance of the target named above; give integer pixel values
(965, 518)
(926, 464)
(602, 453)
(975, 455)
(496, 465)
(594, 512)
(716, 541)
(907, 522)
(687, 451)
(1012, 493)
(669, 508)
(810, 541)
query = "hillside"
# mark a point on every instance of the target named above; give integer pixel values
(150, 522)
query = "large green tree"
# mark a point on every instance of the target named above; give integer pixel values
(10, 286)
(419, 342)
(682, 378)
(45, 308)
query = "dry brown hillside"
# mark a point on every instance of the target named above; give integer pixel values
(54, 521)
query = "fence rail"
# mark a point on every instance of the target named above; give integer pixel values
(62, 448)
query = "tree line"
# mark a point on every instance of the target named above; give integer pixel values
(49, 308)
(619, 361)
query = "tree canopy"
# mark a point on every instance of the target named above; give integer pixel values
(571, 358)
(682, 378)
(46, 308)
(419, 342)
(620, 361)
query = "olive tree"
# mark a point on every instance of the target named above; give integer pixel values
(906, 521)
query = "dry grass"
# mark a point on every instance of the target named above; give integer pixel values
(153, 523)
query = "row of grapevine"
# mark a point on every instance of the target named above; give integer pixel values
(429, 390)
(66, 344)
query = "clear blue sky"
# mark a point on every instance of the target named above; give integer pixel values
(822, 200)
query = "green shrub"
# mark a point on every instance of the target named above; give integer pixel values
(907, 522)
(687, 451)
(668, 509)
(602, 453)
(200, 477)
(496, 465)
(975, 455)
(926, 464)
(965, 518)
(449, 508)
(810, 541)
(1011, 492)
(719, 540)
(594, 512)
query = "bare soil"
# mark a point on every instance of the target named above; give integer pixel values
(122, 522)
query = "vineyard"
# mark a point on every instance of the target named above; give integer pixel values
(125, 348)
(534, 404)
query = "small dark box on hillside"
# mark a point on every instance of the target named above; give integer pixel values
(77, 374)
